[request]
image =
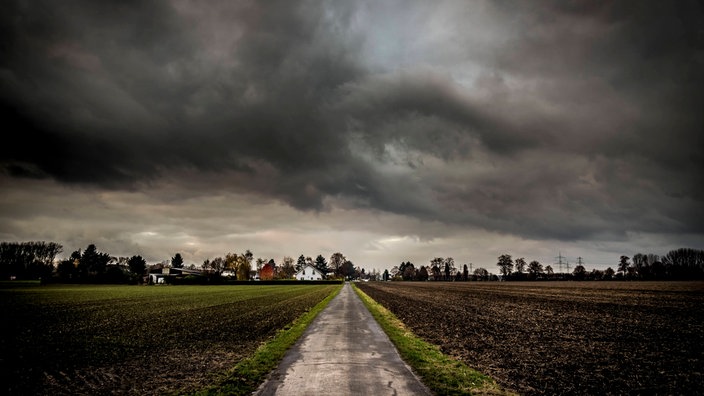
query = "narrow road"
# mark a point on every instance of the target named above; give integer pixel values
(343, 352)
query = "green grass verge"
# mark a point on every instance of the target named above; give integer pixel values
(441, 373)
(248, 374)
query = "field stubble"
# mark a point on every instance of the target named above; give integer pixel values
(562, 338)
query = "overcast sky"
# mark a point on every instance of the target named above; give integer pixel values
(386, 130)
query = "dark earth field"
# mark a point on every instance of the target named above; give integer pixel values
(136, 340)
(541, 338)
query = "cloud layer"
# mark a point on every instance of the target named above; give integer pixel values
(541, 121)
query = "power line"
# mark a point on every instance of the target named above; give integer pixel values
(561, 261)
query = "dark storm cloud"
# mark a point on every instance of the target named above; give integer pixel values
(539, 119)
(645, 54)
(117, 79)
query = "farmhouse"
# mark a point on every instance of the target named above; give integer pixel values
(160, 274)
(308, 273)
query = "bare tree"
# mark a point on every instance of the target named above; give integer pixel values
(244, 265)
(28, 260)
(436, 266)
(232, 262)
(287, 268)
(640, 262)
(623, 264)
(449, 268)
(395, 271)
(337, 260)
(481, 274)
(505, 264)
(218, 265)
(549, 271)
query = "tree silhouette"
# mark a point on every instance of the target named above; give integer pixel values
(481, 274)
(337, 261)
(137, 265)
(177, 261)
(505, 264)
(28, 260)
(300, 263)
(623, 264)
(287, 269)
(322, 265)
(535, 269)
(579, 272)
(408, 272)
(435, 268)
(244, 265)
(92, 262)
(549, 271)
(423, 274)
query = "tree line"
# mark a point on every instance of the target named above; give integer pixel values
(37, 260)
(439, 269)
(678, 264)
(28, 260)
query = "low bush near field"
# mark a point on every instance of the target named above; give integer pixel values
(562, 338)
(84, 339)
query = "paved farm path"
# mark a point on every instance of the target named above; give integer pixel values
(343, 352)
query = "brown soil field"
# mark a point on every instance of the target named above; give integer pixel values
(539, 338)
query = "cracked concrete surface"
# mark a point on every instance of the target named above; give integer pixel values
(343, 352)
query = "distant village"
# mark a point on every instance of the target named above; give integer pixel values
(38, 261)
(163, 273)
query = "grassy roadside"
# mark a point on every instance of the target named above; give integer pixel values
(248, 374)
(442, 374)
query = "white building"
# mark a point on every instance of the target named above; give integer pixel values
(308, 273)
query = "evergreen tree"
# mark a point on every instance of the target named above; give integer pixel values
(300, 263)
(137, 265)
(321, 265)
(177, 261)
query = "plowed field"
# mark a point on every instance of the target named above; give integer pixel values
(562, 338)
(136, 340)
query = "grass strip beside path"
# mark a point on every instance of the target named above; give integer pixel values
(442, 374)
(248, 374)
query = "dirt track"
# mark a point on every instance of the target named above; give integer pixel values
(563, 338)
